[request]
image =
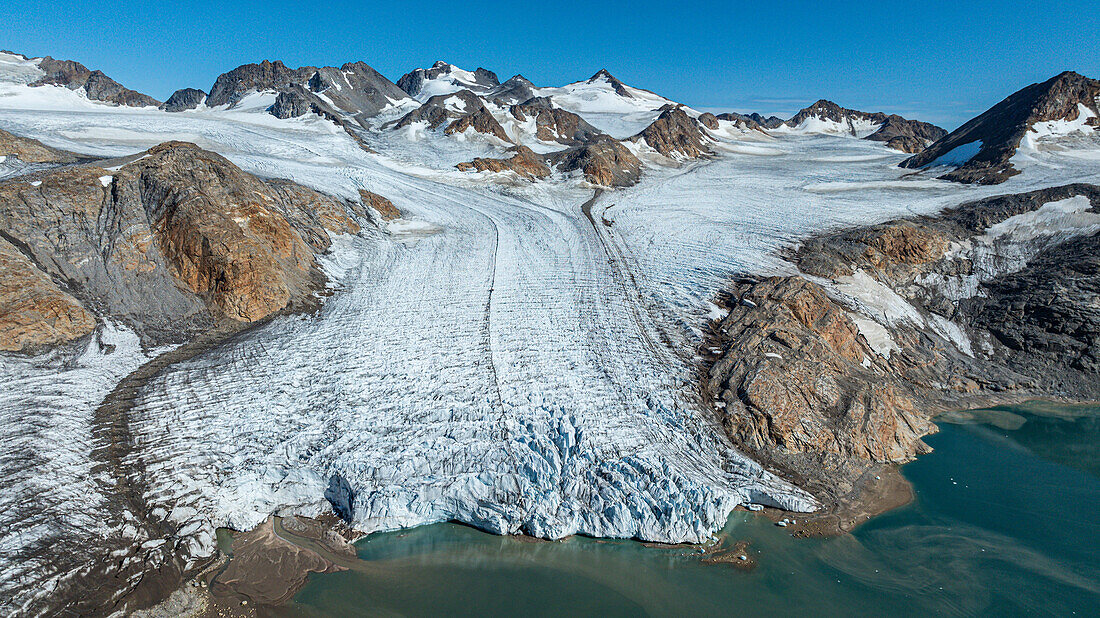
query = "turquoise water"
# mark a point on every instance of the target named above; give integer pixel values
(1006, 521)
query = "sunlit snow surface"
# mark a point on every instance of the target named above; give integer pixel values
(499, 360)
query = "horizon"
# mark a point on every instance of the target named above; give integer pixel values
(777, 71)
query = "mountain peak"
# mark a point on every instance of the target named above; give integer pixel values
(994, 136)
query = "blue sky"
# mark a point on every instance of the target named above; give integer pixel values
(937, 61)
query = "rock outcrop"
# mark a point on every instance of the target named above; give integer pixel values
(28, 150)
(994, 301)
(523, 162)
(676, 135)
(184, 99)
(852, 121)
(752, 121)
(275, 76)
(175, 241)
(381, 205)
(515, 90)
(795, 377)
(982, 148)
(906, 135)
(292, 104)
(553, 124)
(603, 161)
(34, 311)
(708, 120)
(96, 85)
(459, 111)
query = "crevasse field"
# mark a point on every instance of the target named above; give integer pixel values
(494, 358)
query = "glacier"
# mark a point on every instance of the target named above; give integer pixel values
(519, 357)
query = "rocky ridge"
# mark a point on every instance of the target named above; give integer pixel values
(553, 124)
(95, 84)
(480, 80)
(995, 135)
(827, 374)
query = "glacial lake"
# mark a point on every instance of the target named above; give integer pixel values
(1006, 521)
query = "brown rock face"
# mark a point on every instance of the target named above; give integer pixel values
(31, 150)
(383, 206)
(553, 124)
(175, 241)
(34, 312)
(219, 231)
(481, 121)
(523, 162)
(604, 161)
(795, 375)
(708, 120)
(907, 143)
(676, 135)
(991, 322)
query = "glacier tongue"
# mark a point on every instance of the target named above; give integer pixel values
(492, 373)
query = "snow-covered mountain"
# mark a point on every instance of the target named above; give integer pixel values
(445, 78)
(49, 76)
(1063, 111)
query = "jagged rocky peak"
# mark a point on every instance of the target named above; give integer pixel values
(676, 135)
(605, 76)
(516, 89)
(523, 161)
(459, 111)
(184, 99)
(981, 150)
(193, 241)
(553, 124)
(96, 85)
(604, 161)
(356, 88)
(267, 75)
(444, 78)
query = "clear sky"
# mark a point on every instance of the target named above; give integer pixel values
(937, 61)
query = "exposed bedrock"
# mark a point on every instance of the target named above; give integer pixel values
(184, 99)
(459, 111)
(676, 135)
(553, 124)
(523, 162)
(97, 86)
(604, 161)
(827, 374)
(171, 244)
